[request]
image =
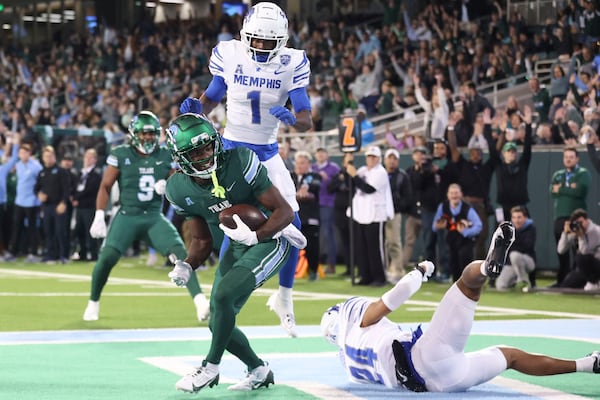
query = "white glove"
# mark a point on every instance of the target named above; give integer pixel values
(98, 228)
(242, 233)
(160, 187)
(427, 268)
(180, 275)
(293, 235)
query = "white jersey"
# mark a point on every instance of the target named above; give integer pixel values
(252, 89)
(366, 353)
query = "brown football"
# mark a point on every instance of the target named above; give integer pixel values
(251, 216)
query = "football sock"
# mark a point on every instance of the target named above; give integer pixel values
(585, 364)
(287, 273)
(406, 287)
(285, 295)
(233, 291)
(106, 261)
(193, 285)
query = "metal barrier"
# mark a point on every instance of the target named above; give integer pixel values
(535, 12)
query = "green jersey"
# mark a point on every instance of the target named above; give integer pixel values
(242, 175)
(137, 176)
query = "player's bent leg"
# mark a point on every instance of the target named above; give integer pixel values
(239, 346)
(466, 370)
(107, 259)
(540, 365)
(282, 302)
(234, 288)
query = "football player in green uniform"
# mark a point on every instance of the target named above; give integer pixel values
(213, 179)
(141, 169)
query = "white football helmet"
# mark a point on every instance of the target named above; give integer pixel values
(266, 21)
(330, 323)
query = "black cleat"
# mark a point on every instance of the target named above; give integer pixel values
(503, 238)
(596, 367)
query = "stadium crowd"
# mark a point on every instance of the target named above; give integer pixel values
(432, 60)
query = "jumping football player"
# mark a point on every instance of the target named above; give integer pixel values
(258, 74)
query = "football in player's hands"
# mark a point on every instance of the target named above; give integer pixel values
(251, 216)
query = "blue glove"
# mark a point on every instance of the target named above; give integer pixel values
(283, 114)
(190, 105)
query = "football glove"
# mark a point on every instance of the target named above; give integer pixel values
(426, 268)
(180, 275)
(292, 235)
(283, 114)
(98, 228)
(160, 187)
(242, 233)
(190, 105)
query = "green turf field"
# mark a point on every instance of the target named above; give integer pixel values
(53, 297)
(43, 298)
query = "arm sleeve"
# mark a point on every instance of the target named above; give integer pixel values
(216, 89)
(299, 99)
(594, 157)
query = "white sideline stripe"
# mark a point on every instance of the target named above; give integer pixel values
(181, 366)
(297, 294)
(535, 390)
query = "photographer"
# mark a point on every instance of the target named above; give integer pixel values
(579, 230)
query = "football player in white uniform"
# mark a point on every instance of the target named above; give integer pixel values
(373, 349)
(258, 74)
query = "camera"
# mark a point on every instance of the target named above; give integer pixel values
(574, 226)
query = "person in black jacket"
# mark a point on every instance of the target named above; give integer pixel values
(402, 198)
(521, 256)
(512, 172)
(340, 185)
(53, 188)
(308, 185)
(424, 203)
(84, 201)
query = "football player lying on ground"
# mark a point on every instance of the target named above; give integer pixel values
(374, 350)
(214, 179)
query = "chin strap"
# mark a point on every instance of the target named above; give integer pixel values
(218, 191)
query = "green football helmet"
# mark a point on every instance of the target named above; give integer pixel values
(195, 145)
(141, 124)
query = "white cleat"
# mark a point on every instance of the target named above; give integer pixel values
(202, 307)
(92, 311)
(259, 377)
(198, 380)
(286, 314)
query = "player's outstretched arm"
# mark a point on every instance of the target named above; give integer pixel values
(396, 296)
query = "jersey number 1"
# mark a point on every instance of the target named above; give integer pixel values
(254, 97)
